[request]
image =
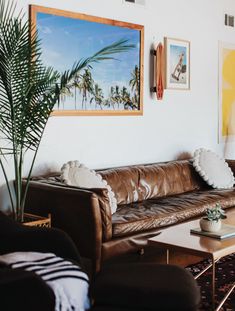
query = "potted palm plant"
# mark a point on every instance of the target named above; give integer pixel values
(28, 93)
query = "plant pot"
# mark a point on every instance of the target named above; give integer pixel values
(210, 225)
(37, 221)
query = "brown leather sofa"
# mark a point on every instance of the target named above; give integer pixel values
(150, 197)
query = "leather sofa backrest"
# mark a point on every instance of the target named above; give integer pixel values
(140, 182)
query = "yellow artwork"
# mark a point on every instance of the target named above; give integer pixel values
(227, 92)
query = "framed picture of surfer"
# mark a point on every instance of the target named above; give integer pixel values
(177, 60)
(109, 54)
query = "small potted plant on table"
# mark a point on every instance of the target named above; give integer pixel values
(212, 221)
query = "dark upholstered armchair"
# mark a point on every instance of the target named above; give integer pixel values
(119, 287)
(24, 290)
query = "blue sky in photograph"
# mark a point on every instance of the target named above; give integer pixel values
(175, 51)
(66, 40)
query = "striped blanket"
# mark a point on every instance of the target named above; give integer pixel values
(69, 283)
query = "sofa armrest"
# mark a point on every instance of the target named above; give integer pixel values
(37, 239)
(84, 214)
(231, 164)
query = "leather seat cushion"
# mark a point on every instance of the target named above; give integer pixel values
(156, 213)
(146, 287)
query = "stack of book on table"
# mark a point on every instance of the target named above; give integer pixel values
(226, 231)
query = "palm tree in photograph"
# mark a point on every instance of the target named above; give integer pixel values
(125, 96)
(86, 86)
(135, 83)
(97, 96)
(135, 101)
(76, 86)
(66, 91)
(117, 96)
(126, 100)
(112, 97)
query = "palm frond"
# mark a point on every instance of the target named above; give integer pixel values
(105, 53)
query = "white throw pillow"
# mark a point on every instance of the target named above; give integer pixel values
(214, 170)
(76, 174)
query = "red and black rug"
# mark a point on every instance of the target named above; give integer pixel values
(225, 277)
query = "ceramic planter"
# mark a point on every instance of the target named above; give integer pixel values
(210, 225)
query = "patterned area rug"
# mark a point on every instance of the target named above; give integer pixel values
(225, 277)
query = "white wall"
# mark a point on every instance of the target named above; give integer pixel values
(181, 122)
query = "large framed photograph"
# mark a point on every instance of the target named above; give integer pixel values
(177, 60)
(226, 92)
(111, 86)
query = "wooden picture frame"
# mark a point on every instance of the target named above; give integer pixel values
(226, 109)
(177, 62)
(117, 84)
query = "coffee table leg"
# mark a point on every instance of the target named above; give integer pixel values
(213, 283)
(225, 298)
(167, 256)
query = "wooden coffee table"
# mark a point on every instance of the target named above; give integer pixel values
(179, 238)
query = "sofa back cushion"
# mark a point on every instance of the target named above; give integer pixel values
(140, 182)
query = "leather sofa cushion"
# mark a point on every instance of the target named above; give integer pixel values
(141, 182)
(156, 213)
